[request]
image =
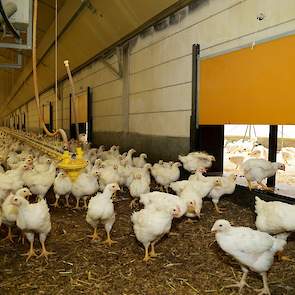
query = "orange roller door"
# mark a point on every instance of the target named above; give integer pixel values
(249, 86)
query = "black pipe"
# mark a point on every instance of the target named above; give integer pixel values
(7, 22)
(272, 150)
(89, 114)
(195, 91)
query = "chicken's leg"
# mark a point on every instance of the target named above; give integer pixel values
(109, 241)
(242, 283)
(31, 252)
(265, 289)
(9, 236)
(146, 256)
(77, 203)
(22, 238)
(108, 227)
(55, 204)
(67, 196)
(219, 210)
(44, 252)
(283, 257)
(95, 236)
(153, 253)
(249, 185)
(266, 188)
(85, 202)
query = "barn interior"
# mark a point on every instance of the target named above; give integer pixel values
(121, 91)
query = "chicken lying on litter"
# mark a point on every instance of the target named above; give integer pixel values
(31, 219)
(62, 187)
(275, 218)
(227, 186)
(101, 207)
(253, 249)
(10, 211)
(259, 169)
(150, 225)
(196, 161)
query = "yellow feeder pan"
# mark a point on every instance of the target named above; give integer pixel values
(73, 167)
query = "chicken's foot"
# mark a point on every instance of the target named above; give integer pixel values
(266, 188)
(31, 252)
(44, 252)
(241, 284)
(153, 253)
(109, 241)
(9, 236)
(265, 290)
(94, 236)
(218, 209)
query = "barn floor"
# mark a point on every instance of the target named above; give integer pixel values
(191, 263)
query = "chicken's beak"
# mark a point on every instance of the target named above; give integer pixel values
(213, 230)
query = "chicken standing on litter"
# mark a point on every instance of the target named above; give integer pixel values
(31, 219)
(62, 186)
(227, 186)
(151, 224)
(253, 249)
(101, 207)
(10, 211)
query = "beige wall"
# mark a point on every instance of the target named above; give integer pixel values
(159, 80)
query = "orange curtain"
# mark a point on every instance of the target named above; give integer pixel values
(249, 86)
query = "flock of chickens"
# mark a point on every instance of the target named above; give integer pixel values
(25, 171)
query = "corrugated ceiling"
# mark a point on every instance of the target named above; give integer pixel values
(98, 25)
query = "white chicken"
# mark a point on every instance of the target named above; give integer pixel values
(84, 186)
(196, 161)
(227, 186)
(253, 249)
(31, 219)
(259, 169)
(10, 211)
(140, 161)
(178, 186)
(62, 186)
(150, 225)
(166, 175)
(161, 201)
(40, 182)
(195, 191)
(101, 208)
(275, 218)
(108, 175)
(139, 185)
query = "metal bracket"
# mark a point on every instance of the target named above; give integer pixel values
(118, 73)
(17, 65)
(28, 44)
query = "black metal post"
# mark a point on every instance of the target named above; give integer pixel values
(195, 93)
(272, 150)
(89, 114)
(51, 116)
